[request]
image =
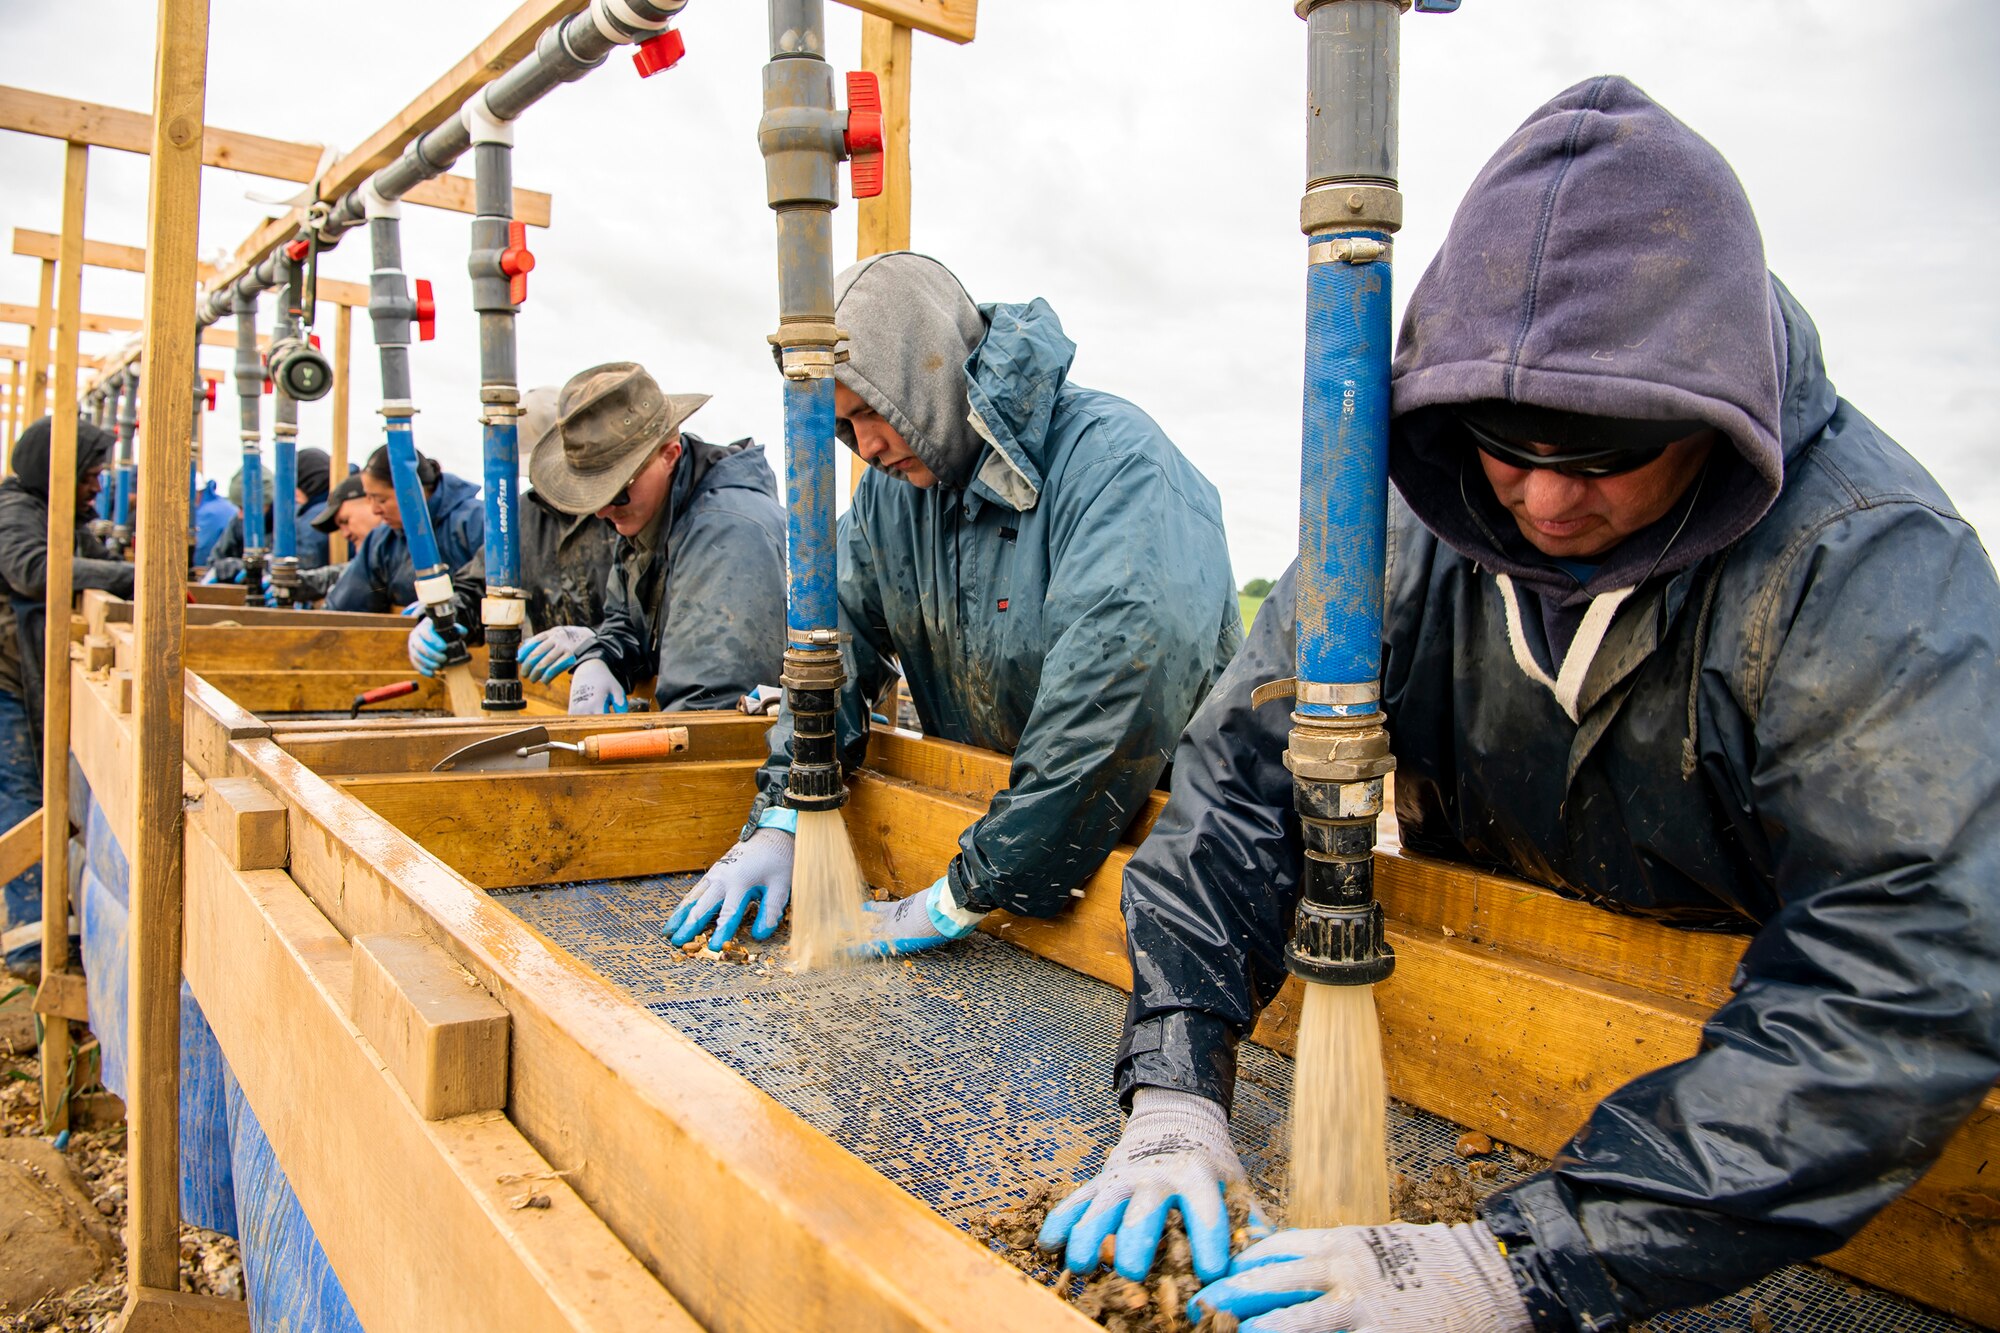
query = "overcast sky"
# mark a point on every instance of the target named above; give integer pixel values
(1138, 166)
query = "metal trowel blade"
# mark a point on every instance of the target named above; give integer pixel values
(498, 754)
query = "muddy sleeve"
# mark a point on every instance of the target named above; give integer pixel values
(866, 652)
(725, 609)
(1209, 894)
(1865, 1026)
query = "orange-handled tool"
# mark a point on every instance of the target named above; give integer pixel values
(654, 743)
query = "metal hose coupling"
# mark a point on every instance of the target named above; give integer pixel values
(284, 579)
(1337, 765)
(503, 671)
(813, 680)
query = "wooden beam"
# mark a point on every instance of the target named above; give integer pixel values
(500, 51)
(343, 364)
(21, 847)
(383, 1186)
(154, 1310)
(132, 132)
(166, 404)
(416, 745)
(884, 221)
(754, 1219)
(55, 641)
(438, 1032)
(91, 323)
(953, 20)
(501, 830)
(11, 422)
(132, 259)
(245, 822)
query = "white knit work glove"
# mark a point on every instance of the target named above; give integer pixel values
(1174, 1153)
(1397, 1278)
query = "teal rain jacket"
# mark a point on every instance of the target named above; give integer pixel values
(1071, 606)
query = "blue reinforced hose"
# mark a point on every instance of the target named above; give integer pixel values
(410, 499)
(253, 500)
(813, 580)
(284, 493)
(1344, 475)
(503, 506)
(121, 505)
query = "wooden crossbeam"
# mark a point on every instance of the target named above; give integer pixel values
(953, 20)
(12, 313)
(502, 49)
(132, 259)
(100, 126)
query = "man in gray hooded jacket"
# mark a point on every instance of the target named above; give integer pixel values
(1049, 572)
(1671, 628)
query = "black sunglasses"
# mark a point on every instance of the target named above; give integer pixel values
(1587, 463)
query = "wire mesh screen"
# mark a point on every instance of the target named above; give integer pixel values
(969, 1075)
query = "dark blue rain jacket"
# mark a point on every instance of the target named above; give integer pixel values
(1070, 607)
(380, 576)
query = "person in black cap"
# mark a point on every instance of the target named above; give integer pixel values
(225, 560)
(380, 576)
(350, 512)
(24, 562)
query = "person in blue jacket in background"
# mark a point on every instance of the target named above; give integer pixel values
(225, 557)
(379, 576)
(1671, 628)
(211, 516)
(1047, 569)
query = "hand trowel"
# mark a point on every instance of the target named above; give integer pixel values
(529, 749)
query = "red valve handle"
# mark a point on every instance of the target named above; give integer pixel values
(658, 53)
(517, 262)
(864, 134)
(427, 311)
(313, 338)
(208, 394)
(297, 250)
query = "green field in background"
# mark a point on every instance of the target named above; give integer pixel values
(1249, 607)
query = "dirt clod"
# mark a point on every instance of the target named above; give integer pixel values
(1446, 1196)
(1474, 1144)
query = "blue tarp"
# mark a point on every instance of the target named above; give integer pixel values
(230, 1178)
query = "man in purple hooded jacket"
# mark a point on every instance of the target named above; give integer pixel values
(1671, 628)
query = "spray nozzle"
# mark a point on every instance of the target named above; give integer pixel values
(1338, 765)
(813, 679)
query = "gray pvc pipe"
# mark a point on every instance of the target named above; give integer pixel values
(1351, 81)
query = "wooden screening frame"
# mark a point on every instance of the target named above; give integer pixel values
(1512, 1010)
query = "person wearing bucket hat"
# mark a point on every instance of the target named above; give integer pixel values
(696, 593)
(380, 576)
(565, 559)
(1047, 568)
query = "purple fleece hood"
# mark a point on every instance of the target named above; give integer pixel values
(1606, 262)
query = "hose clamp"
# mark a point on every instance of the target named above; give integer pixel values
(1349, 250)
(807, 363)
(1313, 692)
(808, 639)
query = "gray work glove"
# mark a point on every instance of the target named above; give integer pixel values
(1386, 1279)
(1175, 1153)
(758, 871)
(593, 689)
(548, 654)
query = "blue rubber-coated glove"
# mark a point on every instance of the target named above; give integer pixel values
(921, 921)
(1427, 1279)
(1175, 1153)
(552, 652)
(756, 871)
(593, 689)
(413, 609)
(427, 647)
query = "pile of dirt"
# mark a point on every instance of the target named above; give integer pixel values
(94, 1162)
(1157, 1305)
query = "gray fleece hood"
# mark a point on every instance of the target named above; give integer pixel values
(1604, 262)
(910, 328)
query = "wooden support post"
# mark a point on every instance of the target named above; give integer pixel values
(38, 343)
(166, 399)
(343, 360)
(885, 219)
(15, 420)
(55, 639)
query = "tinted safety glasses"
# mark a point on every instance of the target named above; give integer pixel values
(1585, 463)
